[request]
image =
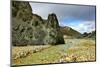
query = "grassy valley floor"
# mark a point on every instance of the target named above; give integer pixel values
(74, 50)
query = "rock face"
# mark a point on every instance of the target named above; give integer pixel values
(31, 29)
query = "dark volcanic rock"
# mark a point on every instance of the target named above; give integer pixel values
(31, 29)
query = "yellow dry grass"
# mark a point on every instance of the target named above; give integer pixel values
(75, 50)
(84, 51)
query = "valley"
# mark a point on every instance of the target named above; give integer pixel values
(74, 50)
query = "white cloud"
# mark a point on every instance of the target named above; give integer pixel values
(61, 10)
(85, 13)
(85, 26)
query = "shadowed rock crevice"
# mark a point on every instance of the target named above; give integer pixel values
(31, 29)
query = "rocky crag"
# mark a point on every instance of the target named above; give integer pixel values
(31, 29)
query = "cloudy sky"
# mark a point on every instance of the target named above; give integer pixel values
(78, 17)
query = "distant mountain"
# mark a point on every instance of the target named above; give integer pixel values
(69, 32)
(90, 35)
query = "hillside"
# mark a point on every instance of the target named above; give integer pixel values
(68, 31)
(90, 35)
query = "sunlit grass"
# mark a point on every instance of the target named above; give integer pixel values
(85, 51)
(74, 50)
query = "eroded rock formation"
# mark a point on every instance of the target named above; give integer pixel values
(31, 29)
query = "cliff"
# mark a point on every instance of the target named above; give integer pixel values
(31, 29)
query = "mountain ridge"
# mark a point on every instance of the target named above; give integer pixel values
(66, 30)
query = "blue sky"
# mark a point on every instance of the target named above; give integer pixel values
(78, 17)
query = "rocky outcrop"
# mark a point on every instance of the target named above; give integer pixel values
(31, 29)
(90, 34)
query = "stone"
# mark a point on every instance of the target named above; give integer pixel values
(30, 29)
